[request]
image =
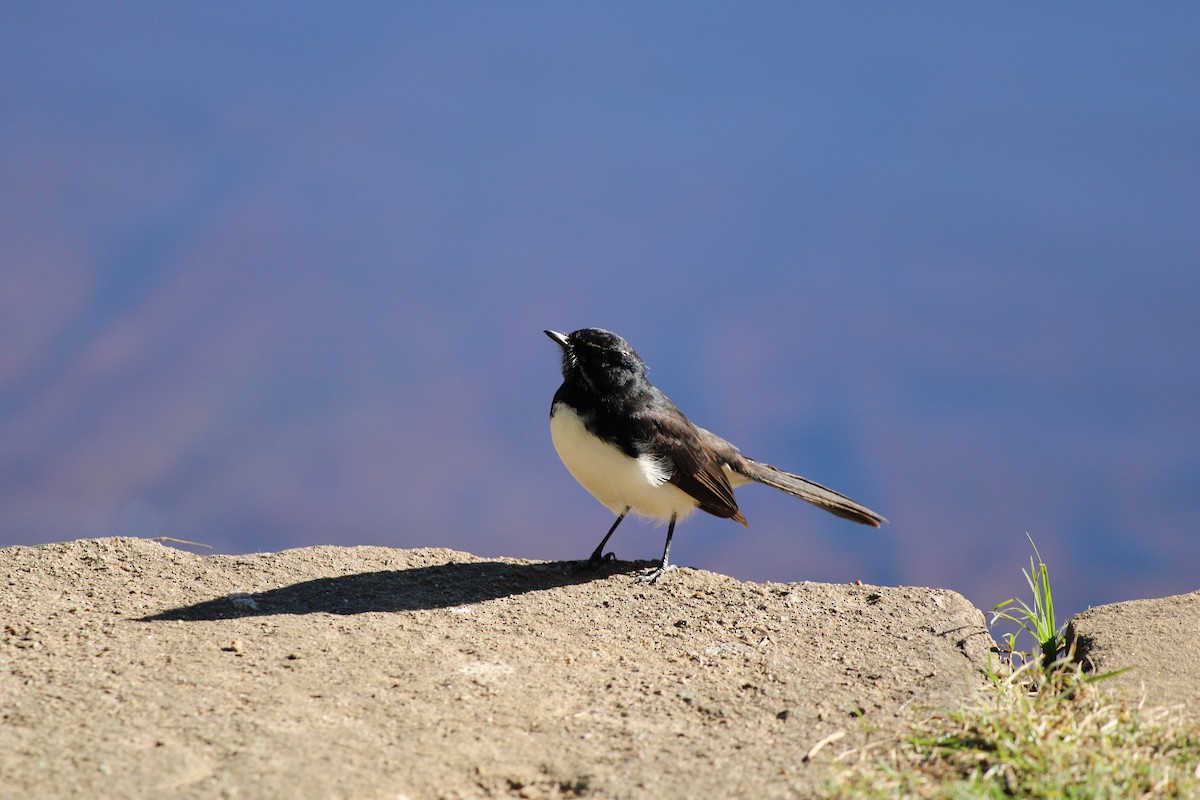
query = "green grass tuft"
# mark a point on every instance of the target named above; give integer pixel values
(1042, 730)
(1038, 620)
(1063, 739)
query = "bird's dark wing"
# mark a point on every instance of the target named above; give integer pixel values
(695, 468)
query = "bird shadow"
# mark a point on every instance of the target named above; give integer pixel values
(415, 589)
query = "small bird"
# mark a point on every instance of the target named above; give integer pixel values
(633, 450)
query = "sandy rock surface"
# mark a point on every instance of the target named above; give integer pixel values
(133, 669)
(1157, 639)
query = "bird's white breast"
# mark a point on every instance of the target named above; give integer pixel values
(615, 479)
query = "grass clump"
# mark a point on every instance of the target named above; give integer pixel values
(1059, 739)
(1043, 729)
(1037, 620)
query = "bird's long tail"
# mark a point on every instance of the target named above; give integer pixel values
(805, 489)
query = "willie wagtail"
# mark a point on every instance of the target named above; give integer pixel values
(633, 450)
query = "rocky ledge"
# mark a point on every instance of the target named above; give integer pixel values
(132, 669)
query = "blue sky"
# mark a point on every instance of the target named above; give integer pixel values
(276, 275)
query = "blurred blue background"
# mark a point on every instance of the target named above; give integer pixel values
(276, 274)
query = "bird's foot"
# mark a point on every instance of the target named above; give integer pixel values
(654, 574)
(597, 558)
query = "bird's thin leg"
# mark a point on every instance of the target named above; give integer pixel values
(653, 574)
(598, 554)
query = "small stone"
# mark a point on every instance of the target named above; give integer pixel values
(242, 601)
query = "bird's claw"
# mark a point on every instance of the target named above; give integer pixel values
(654, 574)
(597, 559)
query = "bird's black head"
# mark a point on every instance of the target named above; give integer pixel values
(599, 359)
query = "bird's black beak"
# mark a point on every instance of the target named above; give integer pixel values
(561, 338)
